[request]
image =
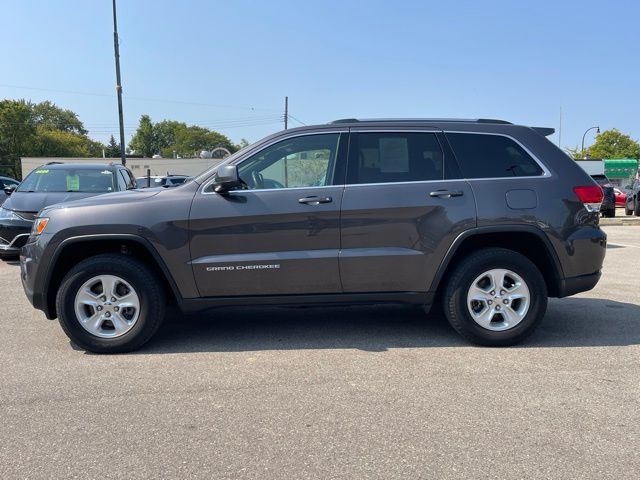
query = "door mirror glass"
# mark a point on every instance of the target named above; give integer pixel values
(226, 179)
(9, 189)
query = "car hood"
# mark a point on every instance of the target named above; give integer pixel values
(36, 201)
(114, 198)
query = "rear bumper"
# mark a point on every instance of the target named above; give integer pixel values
(572, 285)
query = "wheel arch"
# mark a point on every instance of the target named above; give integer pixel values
(527, 240)
(75, 249)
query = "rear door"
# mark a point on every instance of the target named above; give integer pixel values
(404, 204)
(281, 233)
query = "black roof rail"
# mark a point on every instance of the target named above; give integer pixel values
(446, 120)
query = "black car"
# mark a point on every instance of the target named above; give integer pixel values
(608, 207)
(8, 184)
(632, 203)
(487, 217)
(161, 181)
(50, 184)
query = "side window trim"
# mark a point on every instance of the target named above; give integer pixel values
(353, 144)
(339, 168)
(545, 171)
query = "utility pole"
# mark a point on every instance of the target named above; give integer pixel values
(560, 130)
(116, 49)
(286, 112)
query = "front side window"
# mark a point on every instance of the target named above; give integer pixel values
(305, 161)
(69, 180)
(390, 157)
(491, 156)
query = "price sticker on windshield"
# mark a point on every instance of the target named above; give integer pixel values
(73, 183)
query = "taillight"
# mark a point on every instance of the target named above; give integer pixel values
(591, 196)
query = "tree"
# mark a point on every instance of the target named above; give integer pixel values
(143, 140)
(48, 115)
(59, 143)
(17, 132)
(112, 149)
(41, 129)
(169, 136)
(610, 144)
(243, 143)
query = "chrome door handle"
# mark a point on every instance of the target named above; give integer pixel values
(446, 193)
(315, 200)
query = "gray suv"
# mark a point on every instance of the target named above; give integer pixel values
(488, 217)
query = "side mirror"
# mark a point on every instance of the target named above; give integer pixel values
(9, 190)
(226, 179)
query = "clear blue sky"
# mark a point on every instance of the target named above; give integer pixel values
(228, 64)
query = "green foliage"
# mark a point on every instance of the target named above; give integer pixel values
(17, 132)
(48, 115)
(609, 144)
(59, 143)
(143, 141)
(112, 149)
(170, 136)
(41, 129)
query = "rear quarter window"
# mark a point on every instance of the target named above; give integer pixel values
(492, 156)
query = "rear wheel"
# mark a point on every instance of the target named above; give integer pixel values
(495, 297)
(636, 207)
(110, 304)
(628, 211)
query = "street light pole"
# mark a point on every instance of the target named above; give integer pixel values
(585, 134)
(116, 49)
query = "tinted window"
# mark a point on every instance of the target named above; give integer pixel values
(178, 180)
(296, 162)
(491, 156)
(395, 157)
(6, 183)
(68, 179)
(122, 182)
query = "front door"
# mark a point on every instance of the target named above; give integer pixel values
(403, 206)
(280, 232)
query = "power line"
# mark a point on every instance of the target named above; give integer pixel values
(143, 99)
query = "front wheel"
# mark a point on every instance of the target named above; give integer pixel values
(495, 297)
(110, 304)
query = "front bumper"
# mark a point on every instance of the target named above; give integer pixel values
(35, 260)
(13, 235)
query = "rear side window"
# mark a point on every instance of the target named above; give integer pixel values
(491, 156)
(390, 157)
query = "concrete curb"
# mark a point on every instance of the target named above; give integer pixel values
(620, 221)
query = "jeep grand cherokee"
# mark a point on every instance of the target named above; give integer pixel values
(489, 217)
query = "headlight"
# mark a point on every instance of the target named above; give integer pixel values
(39, 225)
(5, 213)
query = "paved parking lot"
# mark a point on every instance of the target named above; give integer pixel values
(375, 392)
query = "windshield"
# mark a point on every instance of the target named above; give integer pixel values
(68, 180)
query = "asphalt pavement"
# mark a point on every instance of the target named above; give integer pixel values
(357, 392)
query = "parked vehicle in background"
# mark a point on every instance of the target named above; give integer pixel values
(632, 202)
(620, 196)
(9, 184)
(50, 184)
(489, 217)
(608, 207)
(160, 181)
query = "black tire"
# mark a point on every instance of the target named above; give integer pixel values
(628, 211)
(609, 213)
(144, 282)
(636, 208)
(460, 280)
